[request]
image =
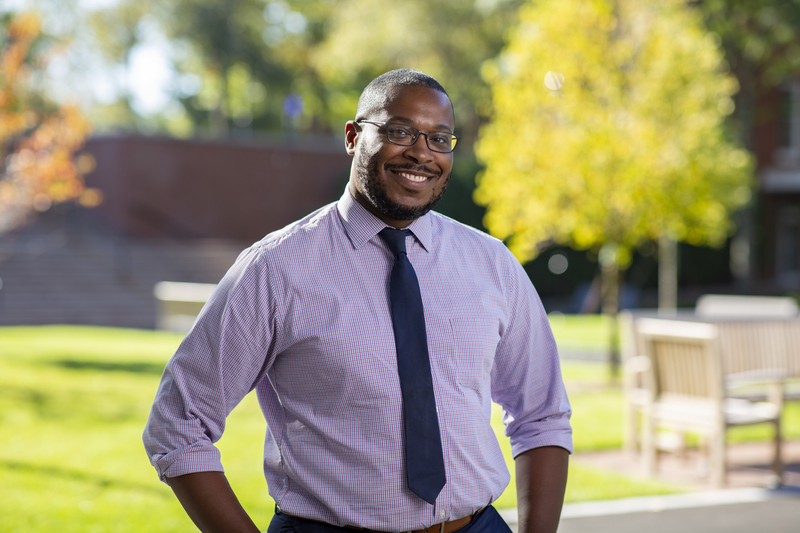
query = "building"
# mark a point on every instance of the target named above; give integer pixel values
(777, 147)
(173, 210)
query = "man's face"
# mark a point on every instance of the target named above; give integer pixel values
(401, 183)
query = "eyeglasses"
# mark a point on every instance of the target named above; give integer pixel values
(404, 135)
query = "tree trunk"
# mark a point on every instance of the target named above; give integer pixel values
(218, 115)
(667, 276)
(609, 274)
(741, 262)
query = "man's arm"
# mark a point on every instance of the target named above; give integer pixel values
(541, 482)
(210, 502)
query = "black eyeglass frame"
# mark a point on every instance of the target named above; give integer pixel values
(414, 139)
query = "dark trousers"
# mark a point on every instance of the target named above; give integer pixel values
(488, 521)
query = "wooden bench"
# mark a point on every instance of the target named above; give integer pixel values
(754, 351)
(179, 303)
(728, 306)
(686, 391)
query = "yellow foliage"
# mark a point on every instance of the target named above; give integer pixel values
(607, 128)
(40, 169)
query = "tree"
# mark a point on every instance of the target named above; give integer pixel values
(250, 54)
(450, 41)
(226, 78)
(40, 138)
(236, 61)
(760, 40)
(240, 65)
(761, 43)
(607, 132)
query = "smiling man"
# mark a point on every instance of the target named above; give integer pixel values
(401, 180)
(376, 334)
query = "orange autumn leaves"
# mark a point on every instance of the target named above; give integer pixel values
(38, 140)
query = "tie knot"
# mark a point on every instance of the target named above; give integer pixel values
(395, 239)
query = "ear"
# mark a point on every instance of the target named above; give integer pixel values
(351, 131)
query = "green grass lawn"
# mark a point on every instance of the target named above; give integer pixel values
(582, 333)
(74, 401)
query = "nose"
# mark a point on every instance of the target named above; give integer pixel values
(419, 151)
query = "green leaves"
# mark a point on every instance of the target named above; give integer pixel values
(629, 147)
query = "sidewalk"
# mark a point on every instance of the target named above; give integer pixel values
(747, 504)
(739, 510)
(748, 466)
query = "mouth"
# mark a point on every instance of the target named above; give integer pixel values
(414, 175)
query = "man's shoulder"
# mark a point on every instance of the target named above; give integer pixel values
(301, 233)
(483, 252)
(468, 236)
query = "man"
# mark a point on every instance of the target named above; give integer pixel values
(309, 317)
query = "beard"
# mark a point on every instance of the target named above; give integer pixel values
(375, 191)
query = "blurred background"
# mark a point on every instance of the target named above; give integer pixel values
(182, 131)
(633, 155)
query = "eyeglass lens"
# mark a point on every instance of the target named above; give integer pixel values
(438, 141)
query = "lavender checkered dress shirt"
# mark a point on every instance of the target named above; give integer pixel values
(303, 318)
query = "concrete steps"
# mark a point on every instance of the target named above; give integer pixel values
(57, 273)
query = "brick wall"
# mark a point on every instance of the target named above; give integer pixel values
(198, 189)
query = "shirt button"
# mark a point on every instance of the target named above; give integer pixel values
(441, 514)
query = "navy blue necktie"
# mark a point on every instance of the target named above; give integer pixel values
(424, 459)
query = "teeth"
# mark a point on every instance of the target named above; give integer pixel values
(413, 177)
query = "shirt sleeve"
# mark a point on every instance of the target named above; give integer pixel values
(526, 377)
(223, 357)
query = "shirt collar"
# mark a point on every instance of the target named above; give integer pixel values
(361, 226)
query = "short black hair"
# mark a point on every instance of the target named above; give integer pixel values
(374, 94)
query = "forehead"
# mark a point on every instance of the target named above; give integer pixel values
(418, 106)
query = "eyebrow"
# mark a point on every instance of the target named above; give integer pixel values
(438, 127)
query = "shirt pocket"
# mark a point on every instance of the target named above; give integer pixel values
(474, 344)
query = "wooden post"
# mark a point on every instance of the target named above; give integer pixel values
(667, 276)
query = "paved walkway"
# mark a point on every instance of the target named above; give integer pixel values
(748, 504)
(728, 511)
(748, 466)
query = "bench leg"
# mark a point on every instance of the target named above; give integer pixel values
(630, 430)
(777, 461)
(649, 444)
(717, 451)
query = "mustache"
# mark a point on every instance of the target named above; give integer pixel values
(422, 169)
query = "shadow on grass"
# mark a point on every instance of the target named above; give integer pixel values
(51, 472)
(108, 366)
(79, 405)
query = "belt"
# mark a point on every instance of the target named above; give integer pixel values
(447, 527)
(444, 527)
